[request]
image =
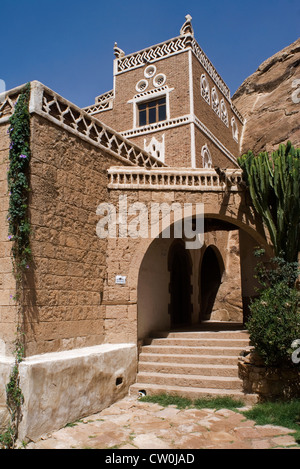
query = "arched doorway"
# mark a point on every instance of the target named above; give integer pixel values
(212, 269)
(180, 268)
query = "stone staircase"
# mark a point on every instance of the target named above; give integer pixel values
(202, 362)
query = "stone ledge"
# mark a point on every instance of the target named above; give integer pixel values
(63, 387)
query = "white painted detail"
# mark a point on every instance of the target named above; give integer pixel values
(142, 85)
(215, 101)
(156, 148)
(206, 157)
(224, 113)
(235, 130)
(150, 71)
(159, 80)
(205, 90)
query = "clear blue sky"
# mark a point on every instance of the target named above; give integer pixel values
(68, 44)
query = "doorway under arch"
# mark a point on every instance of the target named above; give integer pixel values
(211, 272)
(180, 268)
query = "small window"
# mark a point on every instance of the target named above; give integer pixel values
(152, 111)
(159, 80)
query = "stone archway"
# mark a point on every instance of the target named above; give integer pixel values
(211, 272)
(146, 296)
(180, 268)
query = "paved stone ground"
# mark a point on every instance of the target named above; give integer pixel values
(132, 424)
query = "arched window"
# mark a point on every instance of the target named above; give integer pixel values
(215, 102)
(235, 129)
(206, 157)
(205, 91)
(224, 113)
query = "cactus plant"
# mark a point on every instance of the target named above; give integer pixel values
(274, 186)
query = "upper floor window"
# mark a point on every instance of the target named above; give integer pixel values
(152, 111)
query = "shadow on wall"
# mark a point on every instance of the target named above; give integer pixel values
(212, 269)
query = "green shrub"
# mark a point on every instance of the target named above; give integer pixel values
(275, 320)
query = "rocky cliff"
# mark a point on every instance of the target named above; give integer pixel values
(270, 101)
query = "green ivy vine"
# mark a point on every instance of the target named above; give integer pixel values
(19, 235)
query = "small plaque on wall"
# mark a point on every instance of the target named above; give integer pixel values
(120, 280)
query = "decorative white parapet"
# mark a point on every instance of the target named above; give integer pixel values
(104, 102)
(51, 106)
(180, 179)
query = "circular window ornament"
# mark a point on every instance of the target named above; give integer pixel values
(150, 71)
(159, 80)
(142, 85)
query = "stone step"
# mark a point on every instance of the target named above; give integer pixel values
(202, 335)
(188, 358)
(199, 350)
(199, 342)
(189, 369)
(185, 380)
(191, 392)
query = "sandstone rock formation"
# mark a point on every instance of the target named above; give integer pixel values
(270, 101)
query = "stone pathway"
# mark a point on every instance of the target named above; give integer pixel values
(132, 424)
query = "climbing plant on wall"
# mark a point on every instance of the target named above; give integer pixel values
(19, 235)
(18, 181)
(274, 185)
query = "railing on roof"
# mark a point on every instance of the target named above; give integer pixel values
(180, 179)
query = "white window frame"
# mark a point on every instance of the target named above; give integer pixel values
(149, 96)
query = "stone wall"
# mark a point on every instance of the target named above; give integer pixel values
(268, 383)
(65, 282)
(7, 280)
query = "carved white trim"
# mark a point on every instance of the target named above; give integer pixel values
(176, 179)
(61, 112)
(167, 49)
(159, 80)
(150, 71)
(215, 102)
(142, 85)
(205, 90)
(179, 121)
(155, 92)
(215, 140)
(235, 130)
(139, 98)
(104, 97)
(208, 66)
(206, 157)
(103, 102)
(157, 126)
(224, 112)
(156, 148)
